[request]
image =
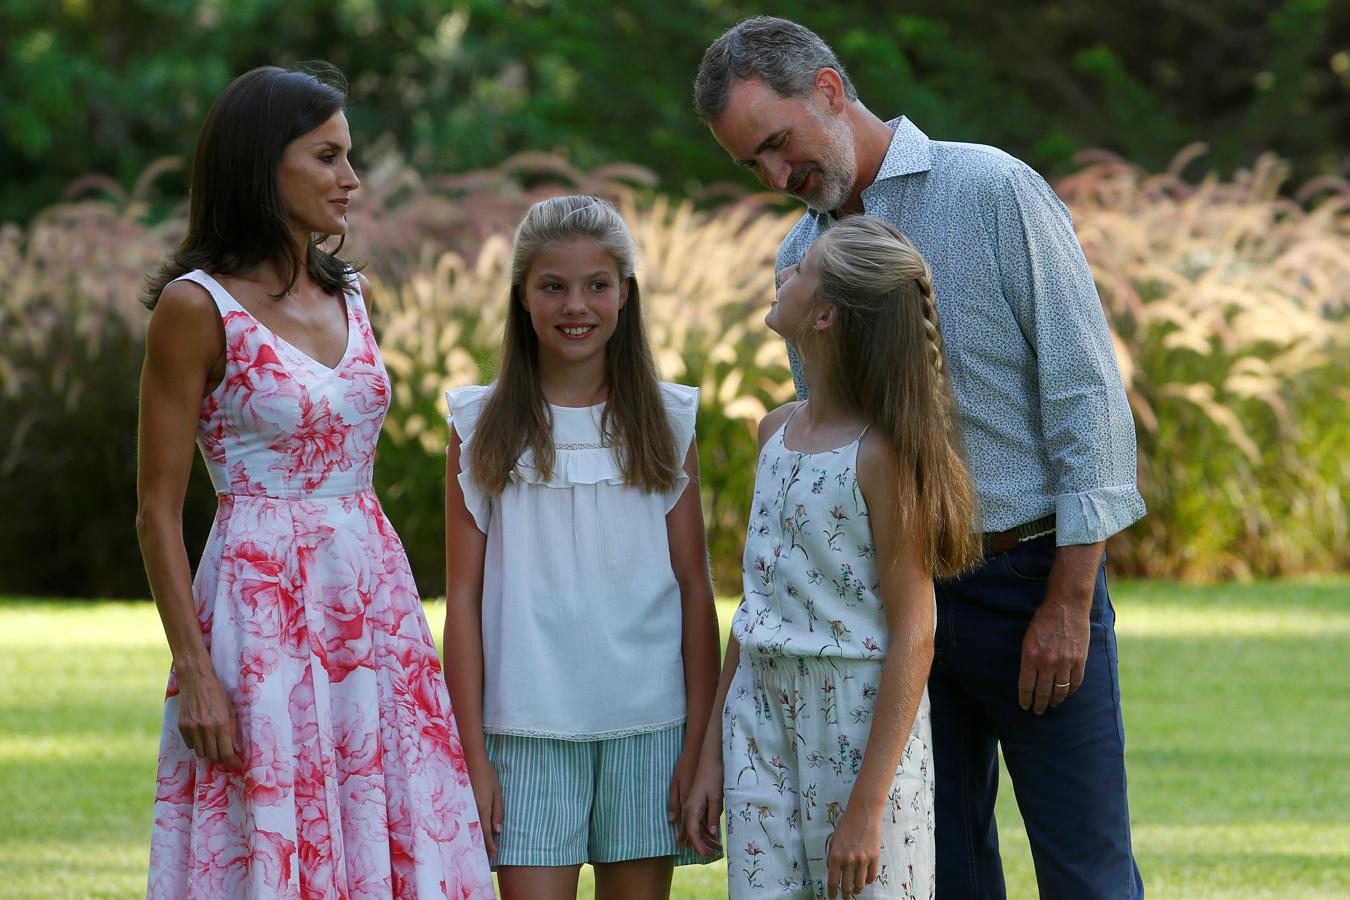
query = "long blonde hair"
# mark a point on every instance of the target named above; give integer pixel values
(517, 418)
(887, 357)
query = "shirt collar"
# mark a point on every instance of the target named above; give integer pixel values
(907, 154)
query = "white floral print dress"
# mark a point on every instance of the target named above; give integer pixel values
(813, 638)
(354, 783)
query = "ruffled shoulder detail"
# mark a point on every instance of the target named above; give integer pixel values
(682, 409)
(466, 405)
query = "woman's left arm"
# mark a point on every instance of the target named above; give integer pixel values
(907, 597)
(698, 642)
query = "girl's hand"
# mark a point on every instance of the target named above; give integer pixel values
(487, 793)
(681, 782)
(206, 718)
(701, 814)
(855, 852)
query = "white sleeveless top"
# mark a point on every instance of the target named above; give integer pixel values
(581, 610)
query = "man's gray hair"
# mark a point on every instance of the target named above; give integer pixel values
(783, 55)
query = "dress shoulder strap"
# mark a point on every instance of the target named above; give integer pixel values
(224, 302)
(355, 300)
(781, 433)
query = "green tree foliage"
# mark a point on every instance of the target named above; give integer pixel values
(455, 85)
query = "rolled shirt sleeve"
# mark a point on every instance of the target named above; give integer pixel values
(1085, 417)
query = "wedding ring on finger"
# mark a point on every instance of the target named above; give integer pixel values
(1064, 686)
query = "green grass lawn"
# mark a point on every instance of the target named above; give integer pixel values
(1237, 707)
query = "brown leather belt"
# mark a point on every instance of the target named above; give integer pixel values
(996, 542)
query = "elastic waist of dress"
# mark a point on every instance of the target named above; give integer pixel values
(311, 496)
(789, 665)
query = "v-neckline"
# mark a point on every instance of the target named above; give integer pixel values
(346, 312)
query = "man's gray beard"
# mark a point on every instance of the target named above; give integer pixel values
(833, 192)
(839, 169)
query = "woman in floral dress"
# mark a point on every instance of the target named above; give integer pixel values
(822, 751)
(308, 746)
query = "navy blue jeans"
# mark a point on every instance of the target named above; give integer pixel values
(1067, 766)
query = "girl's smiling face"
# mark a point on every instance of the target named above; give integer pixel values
(573, 294)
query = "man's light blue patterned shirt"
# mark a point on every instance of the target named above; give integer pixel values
(1047, 426)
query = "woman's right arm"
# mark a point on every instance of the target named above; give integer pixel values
(465, 548)
(184, 351)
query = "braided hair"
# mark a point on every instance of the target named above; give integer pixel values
(887, 357)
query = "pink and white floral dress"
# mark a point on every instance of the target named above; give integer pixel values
(354, 783)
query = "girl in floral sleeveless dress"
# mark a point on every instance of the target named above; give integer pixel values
(822, 748)
(308, 748)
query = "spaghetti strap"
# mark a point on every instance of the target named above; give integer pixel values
(782, 433)
(782, 430)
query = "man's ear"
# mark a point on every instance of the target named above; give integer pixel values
(829, 87)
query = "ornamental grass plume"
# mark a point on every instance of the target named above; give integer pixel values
(1229, 302)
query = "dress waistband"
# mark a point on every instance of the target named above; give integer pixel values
(339, 494)
(806, 664)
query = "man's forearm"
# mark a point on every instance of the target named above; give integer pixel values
(1073, 576)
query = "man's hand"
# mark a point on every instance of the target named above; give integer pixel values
(1055, 646)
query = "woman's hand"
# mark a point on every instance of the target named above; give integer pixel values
(855, 852)
(206, 717)
(701, 811)
(487, 793)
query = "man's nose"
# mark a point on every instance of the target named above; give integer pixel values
(777, 174)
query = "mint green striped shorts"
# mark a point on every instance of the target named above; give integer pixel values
(601, 801)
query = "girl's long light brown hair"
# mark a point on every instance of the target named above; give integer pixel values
(887, 357)
(516, 417)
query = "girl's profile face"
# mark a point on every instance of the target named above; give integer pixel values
(315, 177)
(573, 295)
(790, 313)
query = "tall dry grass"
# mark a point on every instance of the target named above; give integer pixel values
(1231, 306)
(1228, 300)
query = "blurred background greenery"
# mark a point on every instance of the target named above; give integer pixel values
(1203, 148)
(450, 85)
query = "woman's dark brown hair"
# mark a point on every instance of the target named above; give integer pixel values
(235, 215)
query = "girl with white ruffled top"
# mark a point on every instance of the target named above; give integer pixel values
(580, 630)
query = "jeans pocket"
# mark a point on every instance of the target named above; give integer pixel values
(1030, 562)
